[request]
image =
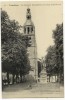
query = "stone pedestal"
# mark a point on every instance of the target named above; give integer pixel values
(43, 76)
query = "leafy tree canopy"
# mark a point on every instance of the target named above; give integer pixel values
(14, 52)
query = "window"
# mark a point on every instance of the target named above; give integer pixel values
(24, 30)
(31, 29)
(28, 30)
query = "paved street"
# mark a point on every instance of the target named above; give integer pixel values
(37, 90)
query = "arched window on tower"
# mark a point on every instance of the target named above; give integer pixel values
(28, 30)
(24, 30)
(31, 29)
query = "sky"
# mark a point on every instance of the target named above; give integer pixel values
(45, 16)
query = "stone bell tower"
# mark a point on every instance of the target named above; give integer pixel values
(29, 30)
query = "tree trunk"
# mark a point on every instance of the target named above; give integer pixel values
(13, 79)
(21, 78)
(58, 77)
(8, 77)
(49, 78)
(16, 77)
(55, 78)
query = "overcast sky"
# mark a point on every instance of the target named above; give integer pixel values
(45, 16)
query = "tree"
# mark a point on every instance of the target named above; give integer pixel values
(54, 57)
(50, 61)
(26, 40)
(58, 39)
(39, 68)
(14, 53)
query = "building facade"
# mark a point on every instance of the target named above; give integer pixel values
(29, 31)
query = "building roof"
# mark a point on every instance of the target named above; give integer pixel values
(28, 22)
(28, 19)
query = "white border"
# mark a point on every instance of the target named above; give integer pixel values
(64, 50)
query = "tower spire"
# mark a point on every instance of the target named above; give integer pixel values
(28, 25)
(28, 15)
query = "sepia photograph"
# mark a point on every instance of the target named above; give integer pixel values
(32, 56)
